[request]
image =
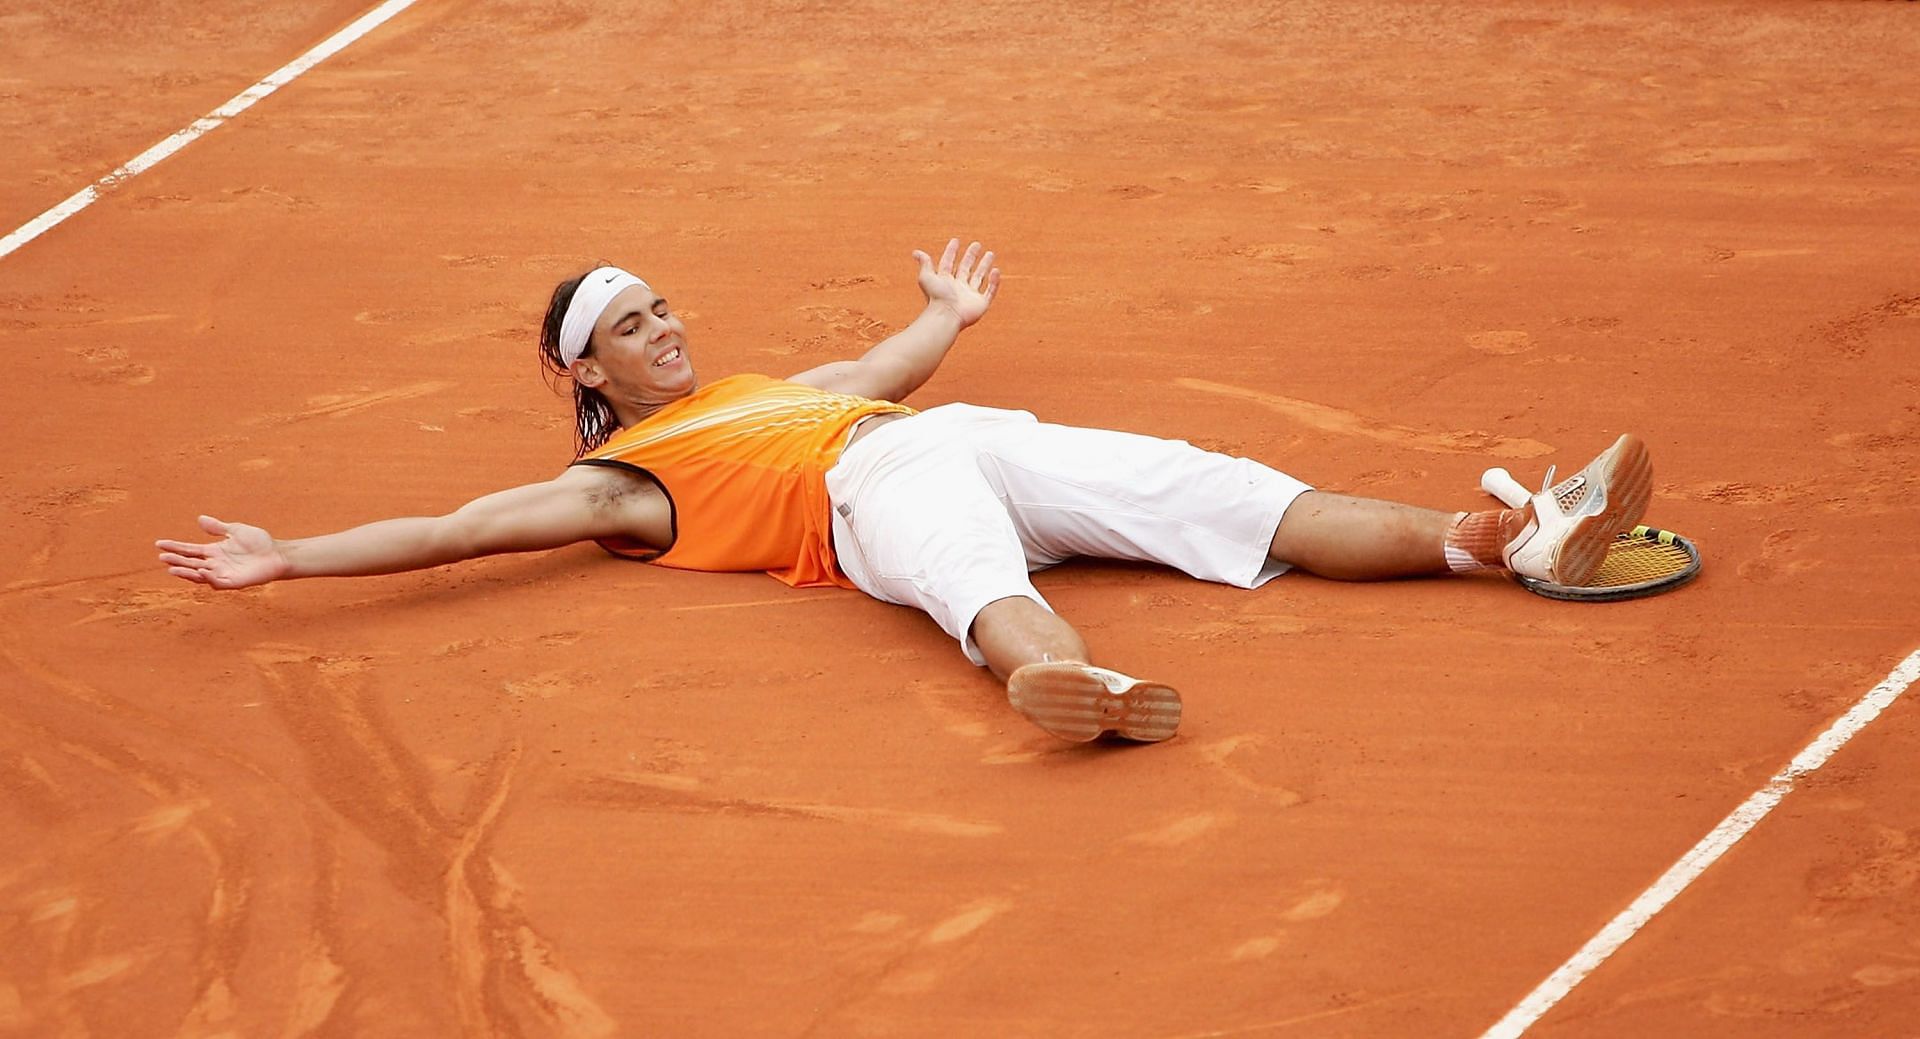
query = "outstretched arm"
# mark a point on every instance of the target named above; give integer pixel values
(581, 503)
(896, 366)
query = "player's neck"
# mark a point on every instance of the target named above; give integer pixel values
(631, 411)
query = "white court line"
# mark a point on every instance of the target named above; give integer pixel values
(1703, 854)
(242, 101)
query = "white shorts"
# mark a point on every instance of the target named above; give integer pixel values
(948, 510)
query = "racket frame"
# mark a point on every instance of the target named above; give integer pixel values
(1616, 593)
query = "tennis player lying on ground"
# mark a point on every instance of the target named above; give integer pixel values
(824, 479)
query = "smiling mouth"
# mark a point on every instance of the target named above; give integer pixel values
(667, 358)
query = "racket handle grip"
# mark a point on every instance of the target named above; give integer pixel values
(1501, 484)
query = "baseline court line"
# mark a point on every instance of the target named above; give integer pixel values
(242, 101)
(1703, 854)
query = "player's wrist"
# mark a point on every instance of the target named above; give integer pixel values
(285, 557)
(946, 312)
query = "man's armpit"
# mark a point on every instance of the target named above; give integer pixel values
(608, 496)
(627, 501)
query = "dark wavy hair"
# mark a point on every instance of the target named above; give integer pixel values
(593, 418)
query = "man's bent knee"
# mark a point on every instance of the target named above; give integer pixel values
(1019, 630)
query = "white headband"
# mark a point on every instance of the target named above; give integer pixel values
(596, 290)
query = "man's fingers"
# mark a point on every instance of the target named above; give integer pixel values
(980, 272)
(972, 256)
(213, 526)
(182, 547)
(946, 258)
(993, 283)
(196, 576)
(174, 559)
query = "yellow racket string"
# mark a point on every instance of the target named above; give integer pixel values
(1635, 559)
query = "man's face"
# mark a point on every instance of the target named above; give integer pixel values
(640, 349)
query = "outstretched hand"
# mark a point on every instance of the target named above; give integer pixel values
(247, 556)
(966, 290)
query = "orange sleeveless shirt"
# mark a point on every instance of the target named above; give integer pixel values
(744, 462)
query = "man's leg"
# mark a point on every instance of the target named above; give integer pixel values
(1044, 663)
(1561, 535)
(1016, 631)
(1364, 539)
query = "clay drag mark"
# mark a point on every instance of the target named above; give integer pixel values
(102, 778)
(1346, 423)
(676, 793)
(498, 972)
(269, 890)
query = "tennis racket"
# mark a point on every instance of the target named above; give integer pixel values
(1641, 562)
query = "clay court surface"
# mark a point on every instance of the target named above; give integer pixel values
(1378, 245)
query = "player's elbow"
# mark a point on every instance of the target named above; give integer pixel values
(499, 524)
(465, 533)
(491, 527)
(891, 380)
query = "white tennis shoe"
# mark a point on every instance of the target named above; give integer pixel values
(1078, 702)
(1571, 524)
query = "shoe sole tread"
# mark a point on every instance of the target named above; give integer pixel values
(1627, 472)
(1075, 705)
